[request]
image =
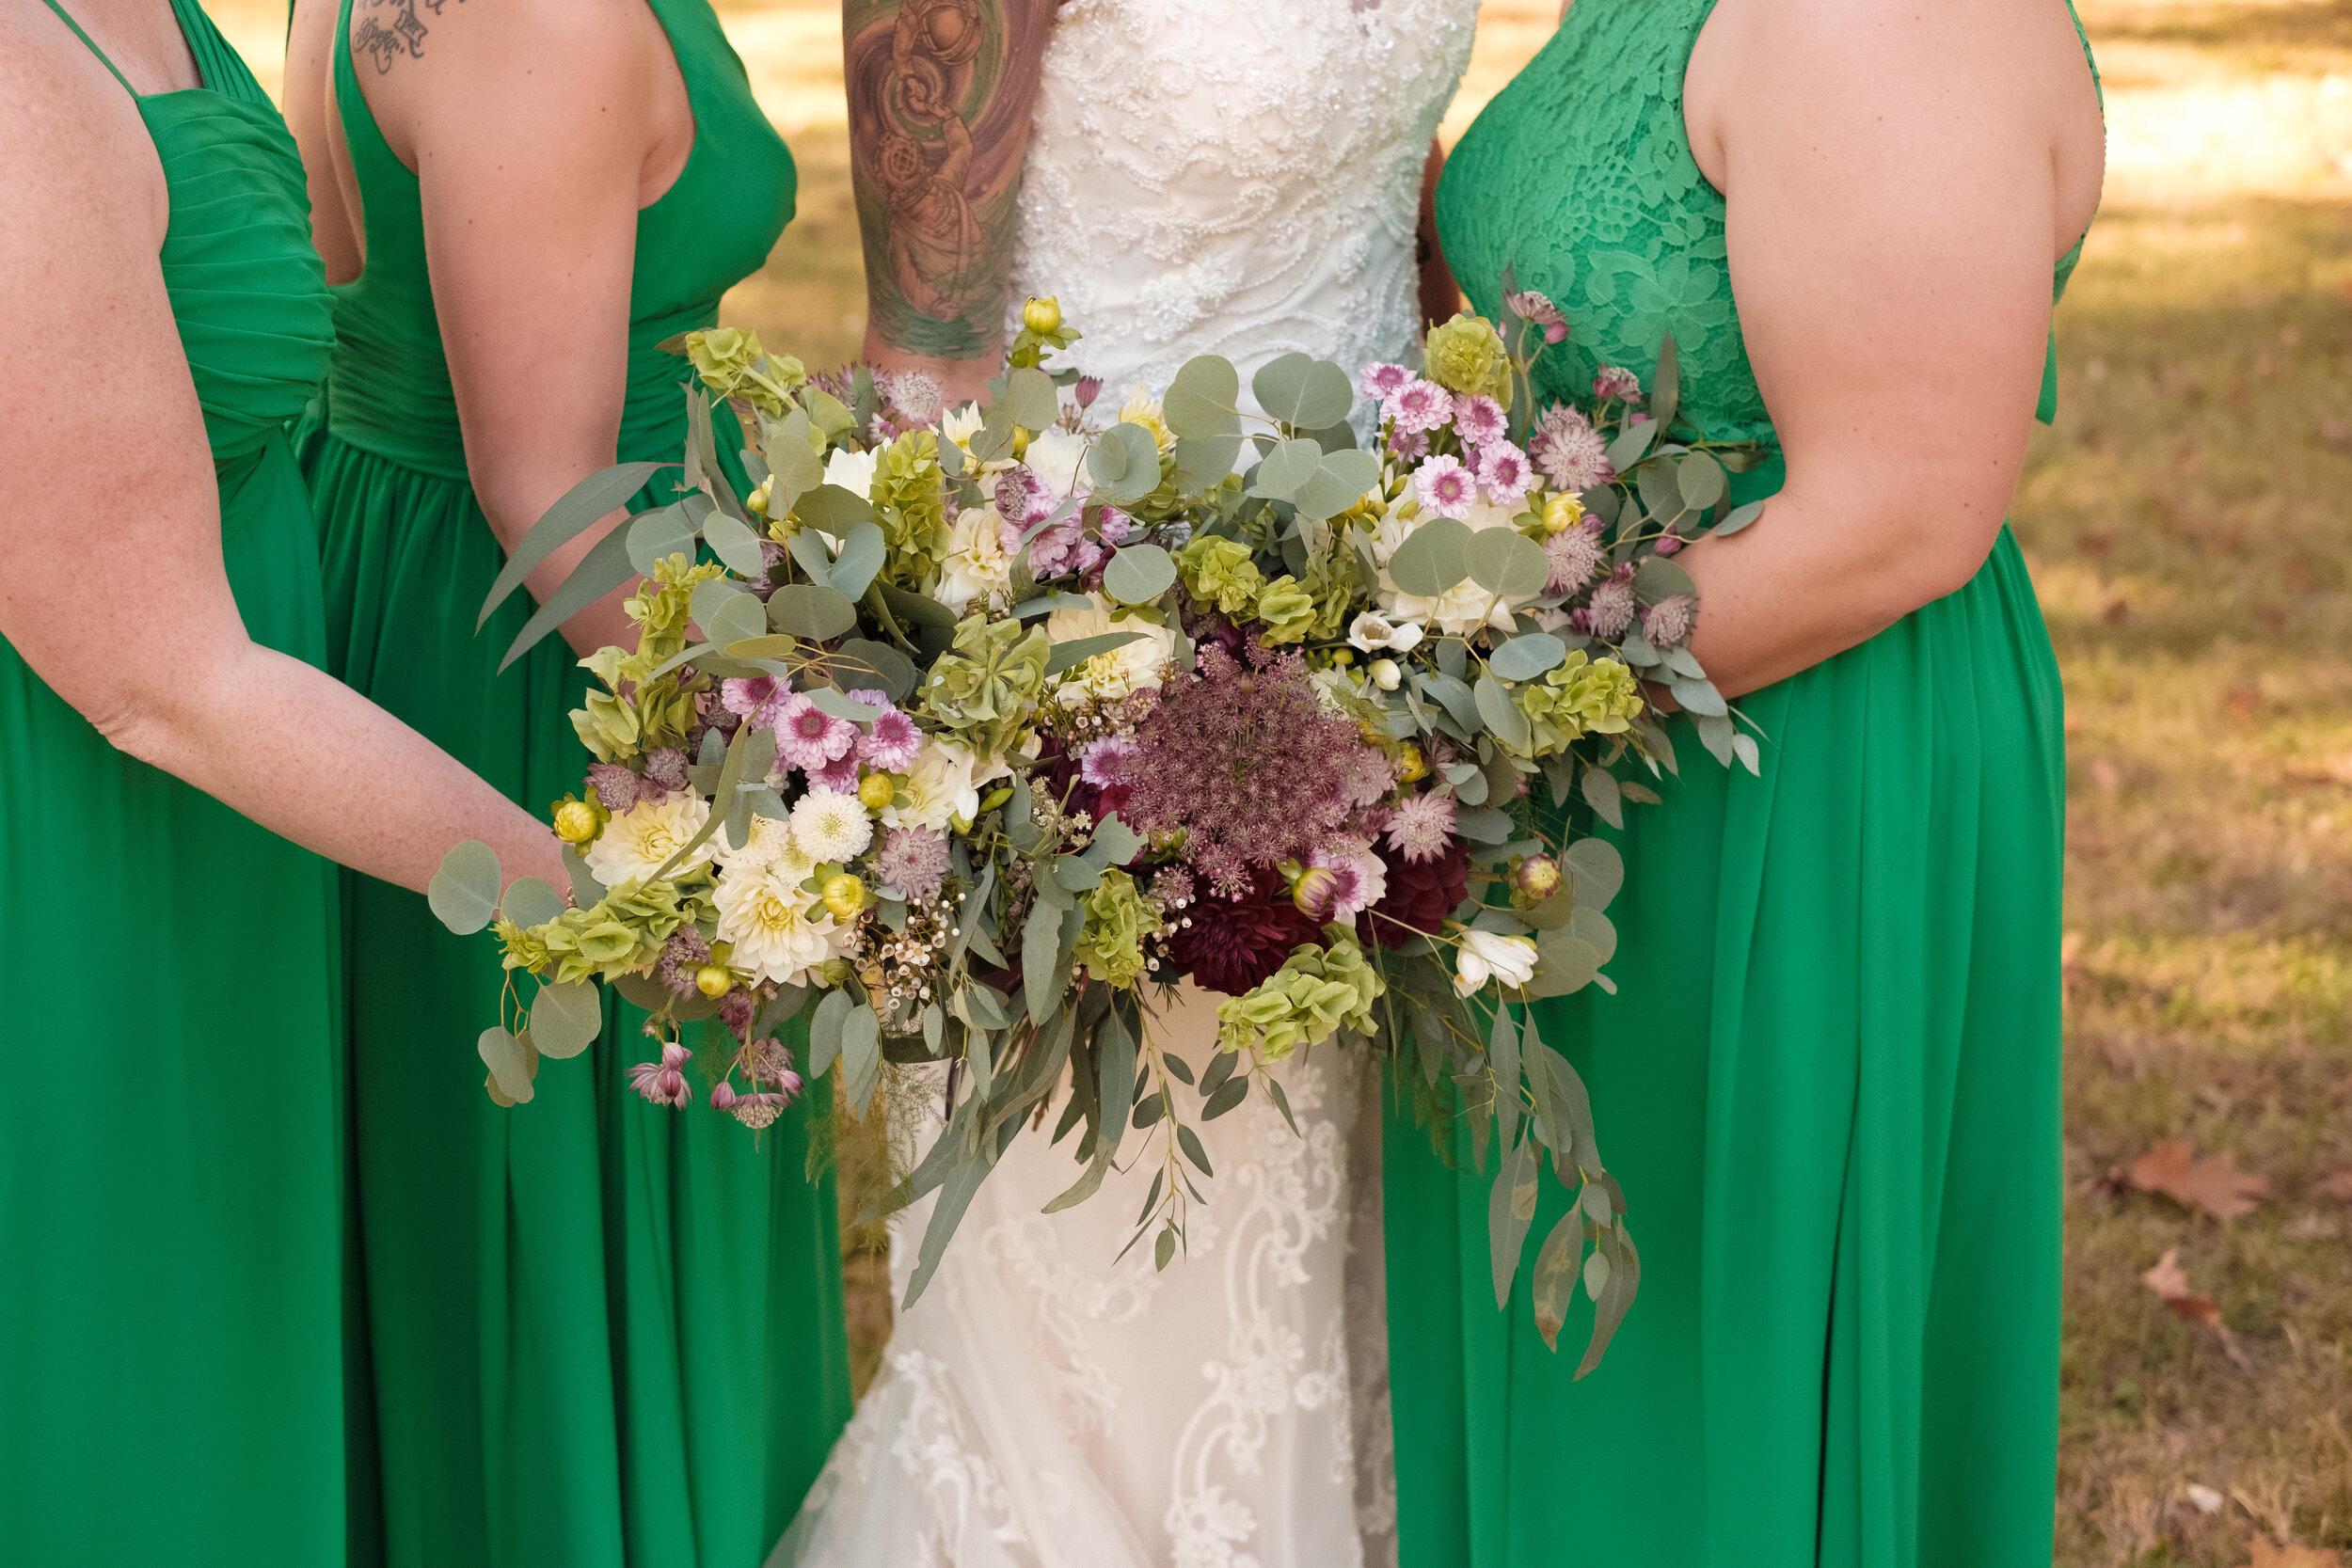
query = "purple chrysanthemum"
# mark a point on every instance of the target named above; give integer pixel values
(1575, 553)
(1615, 381)
(913, 860)
(1377, 381)
(1422, 826)
(1479, 420)
(1052, 553)
(1571, 453)
(808, 737)
(1417, 406)
(1445, 487)
(1111, 525)
(1505, 473)
(1610, 610)
(1668, 622)
(664, 1082)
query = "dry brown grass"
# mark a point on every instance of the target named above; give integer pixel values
(2189, 525)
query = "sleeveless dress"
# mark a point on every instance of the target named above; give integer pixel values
(601, 1332)
(170, 1216)
(1206, 175)
(1836, 1121)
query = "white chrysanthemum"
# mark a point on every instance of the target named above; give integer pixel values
(976, 566)
(943, 785)
(641, 840)
(778, 933)
(1460, 609)
(960, 424)
(827, 827)
(1131, 666)
(1054, 456)
(768, 844)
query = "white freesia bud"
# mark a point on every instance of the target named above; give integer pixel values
(1385, 674)
(1490, 956)
(1372, 630)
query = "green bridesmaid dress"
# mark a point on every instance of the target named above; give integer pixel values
(170, 1270)
(602, 1331)
(1829, 1078)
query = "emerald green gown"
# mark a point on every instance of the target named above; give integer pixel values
(601, 1332)
(1829, 1078)
(171, 1386)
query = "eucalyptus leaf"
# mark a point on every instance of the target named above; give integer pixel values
(1303, 392)
(530, 902)
(831, 509)
(605, 567)
(1202, 398)
(806, 546)
(1124, 462)
(1289, 465)
(586, 889)
(863, 665)
(1523, 658)
(1032, 399)
(1659, 578)
(1041, 975)
(1616, 1296)
(653, 536)
(1601, 794)
(566, 1018)
(1483, 825)
(1227, 1095)
(1555, 1276)
(1139, 574)
(1741, 517)
(1701, 480)
(1501, 715)
(1068, 655)
(1432, 560)
(1699, 698)
(1627, 450)
(804, 610)
(862, 551)
(1597, 869)
(1595, 930)
(861, 1057)
(574, 513)
(1504, 561)
(735, 545)
(1743, 747)
(1203, 459)
(464, 892)
(741, 618)
(1340, 481)
(824, 1030)
(1510, 1212)
(916, 608)
(1565, 964)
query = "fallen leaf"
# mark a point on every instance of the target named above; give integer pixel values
(2335, 1182)
(2268, 1555)
(2216, 1184)
(2170, 1283)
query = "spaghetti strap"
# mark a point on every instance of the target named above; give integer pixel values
(67, 17)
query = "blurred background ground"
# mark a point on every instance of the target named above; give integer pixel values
(2189, 526)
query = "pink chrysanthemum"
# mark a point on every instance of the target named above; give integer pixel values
(1479, 420)
(1505, 473)
(1575, 553)
(1571, 453)
(1052, 553)
(1377, 381)
(1111, 525)
(913, 860)
(664, 1082)
(1445, 487)
(1668, 622)
(1021, 497)
(1417, 406)
(838, 777)
(1421, 827)
(1410, 446)
(1610, 610)
(893, 743)
(757, 698)
(808, 737)
(1616, 382)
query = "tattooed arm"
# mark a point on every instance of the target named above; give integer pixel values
(941, 95)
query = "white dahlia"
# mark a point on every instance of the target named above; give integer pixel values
(641, 840)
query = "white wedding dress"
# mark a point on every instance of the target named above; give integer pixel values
(1236, 176)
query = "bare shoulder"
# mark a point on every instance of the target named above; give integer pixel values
(72, 148)
(456, 41)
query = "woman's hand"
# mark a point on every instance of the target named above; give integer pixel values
(1899, 184)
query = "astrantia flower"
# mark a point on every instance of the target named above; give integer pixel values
(1529, 306)
(777, 932)
(760, 1111)
(757, 698)
(894, 742)
(620, 788)
(664, 1082)
(1417, 406)
(916, 395)
(1667, 622)
(1377, 381)
(1422, 826)
(1479, 420)
(1422, 894)
(1445, 487)
(1575, 553)
(1484, 955)
(1504, 474)
(770, 1060)
(1571, 453)
(1606, 613)
(681, 956)
(913, 860)
(808, 737)
(639, 842)
(1233, 943)
(829, 827)
(1615, 381)
(666, 767)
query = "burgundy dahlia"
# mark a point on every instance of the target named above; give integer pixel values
(1233, 943)
(1420, 894)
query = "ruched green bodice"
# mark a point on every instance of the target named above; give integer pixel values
(1829, 1078)
(171, 1207)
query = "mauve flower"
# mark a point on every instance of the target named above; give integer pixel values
(1053, 552)
(840, 777)
(1087, 390)
(664, 1082)
(1505, 473)
(1615, 381)
(1445, 487)
(1233, 943)
(1410, 446)
(1417, 406)
(1377, 381)
(893, 743)
(681, 956)
(1534, 305)
(757, 698)
(1422, 894)
(1479, 420)
(619, 787)
(1670, 545)
(1571, 453)
(1667, 622)
(1022, 499)
(1575, 553)
(760, 1111)
(1105, 764)
(666, 767)
(1422, 826)
(808, 737)
(1610, 610)
(913, 860)
(1113, 526)
(916, 395)
(1359, 879)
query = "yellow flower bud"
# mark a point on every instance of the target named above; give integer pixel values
(1411, 767)
(1385, 673)
(877, 790)
(834, 972)
(1020, 444)
(1563, 513)
(757, 501)
(713, 980)
(576, 821)
(1539, 877)
(1042, 315)
(844, 895)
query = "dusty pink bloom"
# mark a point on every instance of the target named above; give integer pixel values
(664, 1082)
(1479, 420)
(1670, 545)
(1505, 473)
(721, 1094)
(1022, 499)
(1417, 406)
(1377, 381)
(916, 395)
(1616, 382)
(1666, 622)
(1088, 559)
(1113, 526)
(808, 737)
(1638, 418)
(1367, 777)
(838, 777)
(1571, 453)
(913, 860)
(1575, 553)
(666, 767)
(1087, 390)
(1359, 881)
(1421, 827)
(681, 956)
(619, 787)
(1610, 610)
(1410, 446)
(1445, 487)
(1105, 763)
(893, 743)
(1534, 305)
(757, 698)
(760, 1111)
(1053, 552)
(768, 1057)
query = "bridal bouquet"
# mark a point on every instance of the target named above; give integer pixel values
(966, 733)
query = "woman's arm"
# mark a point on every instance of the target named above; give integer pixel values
(537, 129)
(937, 133)
(1440, 296)
(1899, 183)
(112, 586)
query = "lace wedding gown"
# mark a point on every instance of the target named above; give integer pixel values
(1236, 177)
